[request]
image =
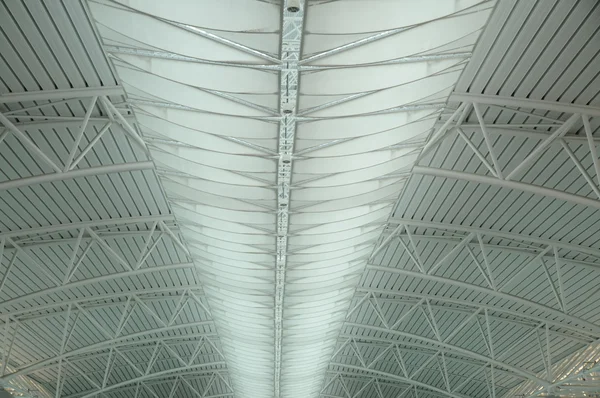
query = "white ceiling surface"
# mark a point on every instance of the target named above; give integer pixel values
(212, 271)
(213, 130)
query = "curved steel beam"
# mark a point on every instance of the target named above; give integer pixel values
(46, 95)
(90, 224)
(533, 318)
(77, 173)
(135, 345)
(527, 103)
(492, 232)
(91, 281)
(22, 314)
(521, 186)
(27, 243)
(182, 369)
(522, 251)
(97, 346)
(398, 378)
(130, 346)
(456, 349)
(392, 382)
(418, 349)
(494, 293)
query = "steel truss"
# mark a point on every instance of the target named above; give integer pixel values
(373, 380)
(549, 131)
(21, 319)
(140, 380)
(476, 244)
(76, 315)
(538, 251)
(85, 237)
(373, 384)
(101, 117)
(438, 360)
(291, 42)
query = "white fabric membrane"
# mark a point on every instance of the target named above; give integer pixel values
(213, 130)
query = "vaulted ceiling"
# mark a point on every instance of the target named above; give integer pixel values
(299, 198)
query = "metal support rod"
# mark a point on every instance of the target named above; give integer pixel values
(125, 124)
(525, 103)
(580, 167)
(87, 172)
(30, 144)
(435, 137)
(488, 141)
(481, 289)
(477, 152)
(592, 145)
(521, 186)
(79, 136)
(386, 241)
(454, 250)
(562, 130)
(89, 146)
(48, 95)
(522, 269)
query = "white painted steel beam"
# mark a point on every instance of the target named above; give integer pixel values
(292, 26)
(78, 173)
(51, 123)
(133, 346)
(48, 95)
(493, 293)
(517, 185)
(525, 131)
(91, 281)
(589, 336)
(525, 103)
(102, 345)
(455, 349)
(104, 301)
(527, 251)
(83, 224)
(496, 233)
(392, 376)
(180, 370)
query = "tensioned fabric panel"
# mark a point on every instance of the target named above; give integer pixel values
(205, 80)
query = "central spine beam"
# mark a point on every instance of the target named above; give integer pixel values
(291, 42)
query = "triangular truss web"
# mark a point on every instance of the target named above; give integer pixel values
(298, 198)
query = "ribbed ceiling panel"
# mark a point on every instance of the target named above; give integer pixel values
(378, 198)
(97, 294)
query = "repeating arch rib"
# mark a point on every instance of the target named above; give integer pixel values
(111, 299)
(534, 318)
(82, 224)
(180, 370)
(490, 292)
(392, 376)
(496, 233)
(452, 348)
(98, 346)
(535, 189)
(91, 281)
(233, 106)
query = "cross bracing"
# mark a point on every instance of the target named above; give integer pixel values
(299, 198)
